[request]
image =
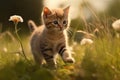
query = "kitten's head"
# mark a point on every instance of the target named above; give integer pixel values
(56, 19)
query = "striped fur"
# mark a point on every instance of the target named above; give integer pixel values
(51, 38)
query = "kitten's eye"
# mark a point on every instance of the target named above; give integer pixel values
(64, 22)
(55, 22)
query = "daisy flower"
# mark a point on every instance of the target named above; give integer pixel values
(85, 41)
(16, 18)
(116, 25)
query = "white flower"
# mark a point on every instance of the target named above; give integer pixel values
(17, 55)
(116, 25)
(85, 41)
(5, 49)
(16, 18)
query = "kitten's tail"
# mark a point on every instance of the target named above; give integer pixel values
(32, 25)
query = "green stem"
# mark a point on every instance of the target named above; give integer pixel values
(19, 39)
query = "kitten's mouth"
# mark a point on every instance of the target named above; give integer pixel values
(61, 28)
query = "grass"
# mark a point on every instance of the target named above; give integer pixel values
(101, 60)
(98, 61)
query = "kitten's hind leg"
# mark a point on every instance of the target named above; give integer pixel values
(38, 59)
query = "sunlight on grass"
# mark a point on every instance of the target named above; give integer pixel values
(97, 60)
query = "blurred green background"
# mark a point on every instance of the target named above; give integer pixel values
(28, 9)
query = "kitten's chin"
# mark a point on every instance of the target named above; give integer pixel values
(61, 30)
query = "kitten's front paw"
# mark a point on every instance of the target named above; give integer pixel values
(69, 60)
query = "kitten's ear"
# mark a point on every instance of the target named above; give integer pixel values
(46, 11)
(66, 10)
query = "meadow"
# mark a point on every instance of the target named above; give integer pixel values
(97, 61)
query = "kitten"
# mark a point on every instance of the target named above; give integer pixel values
(51, 38)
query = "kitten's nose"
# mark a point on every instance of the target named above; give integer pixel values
(60, 26)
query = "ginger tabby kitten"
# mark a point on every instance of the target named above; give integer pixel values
(51, 38)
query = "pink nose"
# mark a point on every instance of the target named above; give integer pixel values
(60, 27)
